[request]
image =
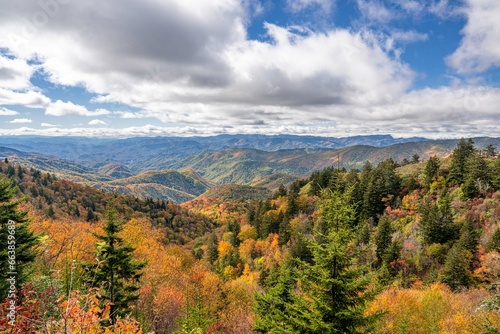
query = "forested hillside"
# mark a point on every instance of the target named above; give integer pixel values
(401, 246)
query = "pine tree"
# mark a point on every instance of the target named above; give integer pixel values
(276, 309)
(494, 243)
(456, 272)
(495, 174)
(383, 237)
(477, 176)
(431, 170)
(437, 221)
(335, 289)
(19, 232)
(459, 158)
(116, 272)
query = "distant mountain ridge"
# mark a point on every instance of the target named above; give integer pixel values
(142, 153)
(180, 169)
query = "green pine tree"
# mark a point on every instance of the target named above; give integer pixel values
(116, 272)
(14, 238)
(477, 176)
(437, 220)
(459, 158)
(431, 170)
(456, 272)
(383, 237)
(494, 243)
(276, 308)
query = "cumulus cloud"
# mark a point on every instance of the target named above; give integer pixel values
(15, 73)
(97, 122)
(20, 120)
(479, 49)
(195, 65)
(30, 98)
(7, 112)
(60, 108)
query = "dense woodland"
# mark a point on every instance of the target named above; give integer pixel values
(401, 247)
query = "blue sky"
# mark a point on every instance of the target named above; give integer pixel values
(175, 67)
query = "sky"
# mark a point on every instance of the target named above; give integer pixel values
(427, 68)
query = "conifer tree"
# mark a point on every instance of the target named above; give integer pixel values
(437, 220)
(477, 176)
(459, 158)
(116, 272)
(16, 231)
(456, 272)
(335, 287)
(431, 170)
(276, 309)
(383, 237)
(494, 243)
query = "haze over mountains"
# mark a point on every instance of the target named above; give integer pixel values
(179, 169)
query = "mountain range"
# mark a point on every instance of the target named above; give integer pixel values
(180, 169)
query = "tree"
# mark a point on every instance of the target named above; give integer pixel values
(15, 236)
(383, 237)
(334, 289)
(437, 220)
(490, 151)
(456, 272)
(335, 286)
(431, 170)
(494, 243)
(459, 158)
(276, 308)
(477, 176)
(116, 272)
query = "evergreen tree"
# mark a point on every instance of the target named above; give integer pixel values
(431, 170)
(334, 289)
(383, 237)
(477, 176)
(116, 272)
(437, 221)
(495, 174)
(456, 272)
(212, 251)
(19, 232)
(490, 151)
(459, 158)
(276, 309)
(494, 243)
(20, 173)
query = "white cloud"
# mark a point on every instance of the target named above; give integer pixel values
(194, 65)
(409, 36)
(374, 10)
(446, 8)
(7, 112)
(480, 47)
(30, 98)
(21, 120)
(298, 5)
(97, 122)
(60, 108)
(48, 125)
(15, 73)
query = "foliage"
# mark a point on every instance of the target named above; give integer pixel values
(116, 272)
(17, 242)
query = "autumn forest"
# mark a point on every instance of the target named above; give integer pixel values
(410, 246)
